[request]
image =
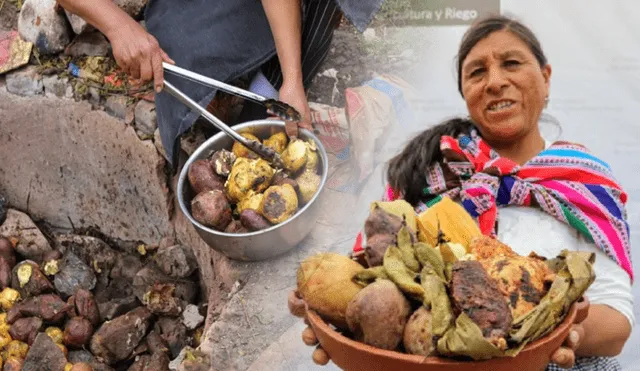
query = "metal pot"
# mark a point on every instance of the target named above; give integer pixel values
(267, 243)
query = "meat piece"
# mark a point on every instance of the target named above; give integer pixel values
(477, 295)
(522, 280)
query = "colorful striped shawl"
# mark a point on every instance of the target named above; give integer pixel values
(565, 180)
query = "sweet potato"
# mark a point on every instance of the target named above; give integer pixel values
(236, 227)
(7, 251)
(212, 209)
(77, 332)
(26, 329)
(253, 221)
(203, 178)
(5, 273)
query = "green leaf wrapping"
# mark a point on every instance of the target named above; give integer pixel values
(427, 254)
(401, 275)
(404, 243)
(436, 299)
(465, 339)
(370, 275)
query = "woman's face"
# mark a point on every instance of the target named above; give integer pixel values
(504, 87)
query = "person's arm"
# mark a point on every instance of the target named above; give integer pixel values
(605, 332)
(136, 51)
(286, 26)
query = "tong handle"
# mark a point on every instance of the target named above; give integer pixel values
(206, 114)
(207, 81)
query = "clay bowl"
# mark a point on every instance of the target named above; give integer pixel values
(351, 355)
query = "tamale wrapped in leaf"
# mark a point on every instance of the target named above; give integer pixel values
(449, 218)
(436, 299)
(465, 339)
(400, 208)
(402, 276)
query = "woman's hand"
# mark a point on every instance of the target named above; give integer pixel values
(297, 308)
(138, 53)
(565, 356)
(294, 95)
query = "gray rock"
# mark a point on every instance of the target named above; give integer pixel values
(41, 24)
(115, 340)
(25, 82)
(191, 317)
(92, 251)
(44, 355)
(77, 356)
(31, 242)
(78, 24)
(176, 261)
(132, 7)
(74, 274)
(56, 86)
(94, 96)
(117, 106)
(174, 334)
(117, 307)
(102, 176)
(157, 141)
(146, 118)
(88, 44)
(147, 277)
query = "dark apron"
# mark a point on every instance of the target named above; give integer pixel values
(225, 40)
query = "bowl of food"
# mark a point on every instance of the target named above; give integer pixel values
(430, 292)
(242, 206)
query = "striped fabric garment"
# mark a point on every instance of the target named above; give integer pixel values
(565, 180)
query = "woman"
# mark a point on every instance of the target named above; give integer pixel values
(533, 195)
(278, 44)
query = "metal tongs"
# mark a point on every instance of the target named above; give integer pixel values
(273, 106)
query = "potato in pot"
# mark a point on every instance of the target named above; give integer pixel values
(277, 141)
(212, 209)
(248, 175)
(241, 151)
(279, 203)
(308, 184)
(295, 156)
(252, 201)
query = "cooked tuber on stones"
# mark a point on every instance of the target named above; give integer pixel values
(86, 306)
(81, 367)
(77, 332)
(212, 209)
(8, 298)
(279, 203)
(5, 273)
(26, 329)
(325, 282)
(29, 280)
(7, 251)
(377, 315)
(222, 162)
(55, 334)
(13, 364)
(418, 338)
(253, 221)
(203, 178)
(49, 307)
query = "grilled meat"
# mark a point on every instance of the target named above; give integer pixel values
(474, 293)
(522, 280)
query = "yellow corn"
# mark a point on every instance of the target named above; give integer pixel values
(454, 222)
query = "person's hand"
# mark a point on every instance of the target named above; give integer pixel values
(297, 308)
(565, 356)
(138, 53)
(294, 95)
